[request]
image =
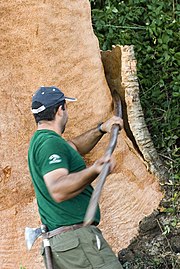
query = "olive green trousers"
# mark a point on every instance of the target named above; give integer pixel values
(82, 248)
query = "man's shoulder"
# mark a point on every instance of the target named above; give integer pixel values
(46, 140)
(46, 136)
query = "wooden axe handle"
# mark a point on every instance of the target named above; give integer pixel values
(92, 207)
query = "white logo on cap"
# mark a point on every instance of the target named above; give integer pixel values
(54, 158)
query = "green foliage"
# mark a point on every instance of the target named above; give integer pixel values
(152, 27)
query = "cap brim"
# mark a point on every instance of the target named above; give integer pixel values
(70, 99)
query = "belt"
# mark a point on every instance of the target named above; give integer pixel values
(62, 229)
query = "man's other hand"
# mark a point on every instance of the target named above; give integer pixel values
(98, 165)
(107, 125)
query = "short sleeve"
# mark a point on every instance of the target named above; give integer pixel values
(52, 155)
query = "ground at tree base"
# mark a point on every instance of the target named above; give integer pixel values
(158, 244)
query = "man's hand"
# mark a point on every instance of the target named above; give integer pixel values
(107, 125)
(98, 165)
(85, 142)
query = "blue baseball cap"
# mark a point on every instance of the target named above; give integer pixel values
(47, 97)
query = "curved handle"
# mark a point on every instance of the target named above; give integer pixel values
(92, 207)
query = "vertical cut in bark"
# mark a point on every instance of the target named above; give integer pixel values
(120, 71)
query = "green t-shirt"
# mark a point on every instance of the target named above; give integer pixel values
(49, 151)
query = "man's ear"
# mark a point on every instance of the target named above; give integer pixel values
(60, 110)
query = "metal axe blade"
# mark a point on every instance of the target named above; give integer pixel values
(31, 234)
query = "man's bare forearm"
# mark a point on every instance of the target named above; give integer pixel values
(87, 141)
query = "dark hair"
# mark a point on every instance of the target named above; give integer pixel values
(49, 113)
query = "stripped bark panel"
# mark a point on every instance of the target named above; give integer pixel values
(120, 71)
(135, 114)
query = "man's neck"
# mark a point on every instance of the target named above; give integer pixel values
(49, 125)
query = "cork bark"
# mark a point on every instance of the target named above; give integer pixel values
(121, 74)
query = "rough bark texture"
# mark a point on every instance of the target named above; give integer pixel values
(52, 43)
(120, 71)
(135, 114)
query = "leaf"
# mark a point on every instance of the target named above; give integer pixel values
(165, 38)
(115, 10)
(177, 55)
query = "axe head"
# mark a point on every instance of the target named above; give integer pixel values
(31, 234)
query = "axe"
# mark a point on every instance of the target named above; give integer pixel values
(91, 210)
(31, 234)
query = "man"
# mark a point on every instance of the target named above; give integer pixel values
(62, 184)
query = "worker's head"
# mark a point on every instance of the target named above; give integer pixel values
(47, 101)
